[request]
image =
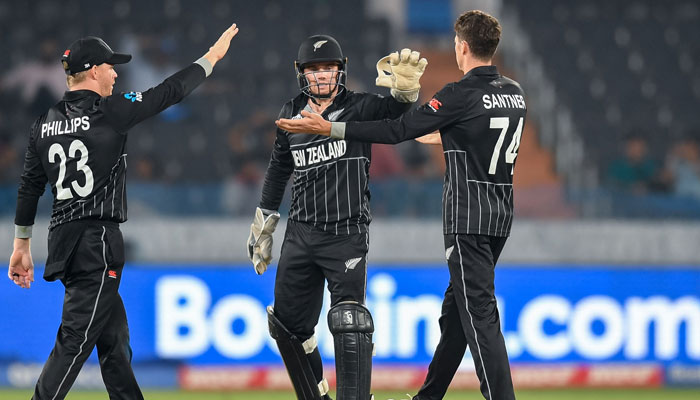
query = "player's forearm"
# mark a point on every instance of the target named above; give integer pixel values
(22, 245)
(386, 132)
(25, 214)
(180, 84)
(272, 194)
(27, 201)
(275, 184)
(398, 105)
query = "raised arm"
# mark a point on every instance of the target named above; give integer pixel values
(128, 109)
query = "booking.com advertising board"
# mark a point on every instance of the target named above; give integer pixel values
(215, 315)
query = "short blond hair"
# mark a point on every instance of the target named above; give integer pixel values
(76, 78)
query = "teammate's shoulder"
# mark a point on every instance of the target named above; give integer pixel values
(34, 127)
(509, 81)
(451, 88)
(289, 106)
(298, 101)
(50, 114)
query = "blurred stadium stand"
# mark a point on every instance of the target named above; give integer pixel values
(620, 70)
(607, 70)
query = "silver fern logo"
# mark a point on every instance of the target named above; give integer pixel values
(332, 116)
(318, 44)
(448, 252)
(352, 263)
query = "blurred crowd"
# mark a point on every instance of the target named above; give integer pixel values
(209, 154)
(643, 180)
(638, 172)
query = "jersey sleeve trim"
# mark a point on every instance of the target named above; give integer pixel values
(338, 130)
(23, 232)
(204, 63)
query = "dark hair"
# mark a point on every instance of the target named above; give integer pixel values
(481, 31)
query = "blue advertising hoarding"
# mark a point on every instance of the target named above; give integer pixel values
(202, 315)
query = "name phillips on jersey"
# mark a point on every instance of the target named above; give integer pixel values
(54, 128)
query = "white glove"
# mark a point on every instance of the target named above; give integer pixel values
(401, 72)
(260, 239)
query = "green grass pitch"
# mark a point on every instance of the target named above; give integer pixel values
(549, 394)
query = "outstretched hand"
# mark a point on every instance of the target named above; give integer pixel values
(310, 123)
(220, 48)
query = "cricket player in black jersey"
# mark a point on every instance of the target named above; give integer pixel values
(480, 119)
(79, 147)
(327, 230)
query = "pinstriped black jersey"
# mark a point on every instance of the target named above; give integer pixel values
(480, 118)
(79, 147)
(330, 177)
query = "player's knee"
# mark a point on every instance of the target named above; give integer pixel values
(350, 316)
(484, 311)
(299, 327)
(71, 337)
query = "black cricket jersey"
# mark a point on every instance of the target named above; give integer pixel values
(79, 147)
(330, 177)
(481, 118)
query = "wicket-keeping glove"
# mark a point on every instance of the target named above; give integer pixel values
(260, 239)
(401, 72)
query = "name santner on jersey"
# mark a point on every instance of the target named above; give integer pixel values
(494, 100)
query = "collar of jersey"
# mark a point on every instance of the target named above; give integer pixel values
(483, 70)
(79, 94)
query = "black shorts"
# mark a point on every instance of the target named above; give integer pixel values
(75, 245)
(309, 257)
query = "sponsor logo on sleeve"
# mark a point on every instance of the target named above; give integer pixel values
(434, 104)
(134, 96)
